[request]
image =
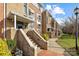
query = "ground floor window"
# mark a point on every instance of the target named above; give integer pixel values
(21, 25)
(49, 29)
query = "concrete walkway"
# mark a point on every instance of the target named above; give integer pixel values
(54, 47)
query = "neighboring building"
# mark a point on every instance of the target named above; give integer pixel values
(1, 20)
(49, 25)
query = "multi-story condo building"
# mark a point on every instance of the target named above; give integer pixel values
(23, 15)
(49, 25)
(17, 21)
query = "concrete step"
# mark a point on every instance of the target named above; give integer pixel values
(34, 43)
(38, 48)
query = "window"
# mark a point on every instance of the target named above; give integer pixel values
(39, 18)
(25, 8)
(19, 25)
(30, 13)
(48, 29)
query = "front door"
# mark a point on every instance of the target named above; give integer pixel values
(19, 25)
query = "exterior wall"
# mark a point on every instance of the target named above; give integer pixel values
(19, 8)
(52, 23)
(15, 7)
(49, 22)
(1, 19)
(35, 24)
(10, 34)
(33, 7)
(12, 7)
(36, 10)
(44, 22)
(57, 28)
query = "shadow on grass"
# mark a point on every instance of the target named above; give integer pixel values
(72, 51)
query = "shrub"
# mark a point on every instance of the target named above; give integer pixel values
(11, 44)
(45, 36)
(4, 51)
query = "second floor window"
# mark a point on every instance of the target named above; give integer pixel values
(39, 18)
(25, 8)
(30, 13)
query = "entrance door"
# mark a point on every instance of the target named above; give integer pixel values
(19, 25)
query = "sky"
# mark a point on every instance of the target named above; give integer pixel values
(61, 11)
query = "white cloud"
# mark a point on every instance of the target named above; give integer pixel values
(58, 10)
(54, 9)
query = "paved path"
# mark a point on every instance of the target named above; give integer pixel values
(54, 49)
(53, 46)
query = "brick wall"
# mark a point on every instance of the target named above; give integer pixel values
(1, 19)
(44, 22)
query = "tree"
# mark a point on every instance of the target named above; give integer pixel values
(69, 25)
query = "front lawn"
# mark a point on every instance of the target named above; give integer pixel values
(68, 42)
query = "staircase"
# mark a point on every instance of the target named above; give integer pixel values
(37, 39)
(30, 42)
(35, 44)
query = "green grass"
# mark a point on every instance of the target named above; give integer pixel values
(68, 42)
